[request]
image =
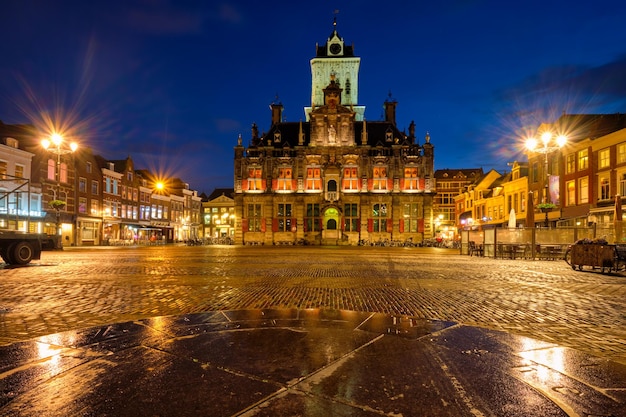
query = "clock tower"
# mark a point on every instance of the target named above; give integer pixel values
(335, 60)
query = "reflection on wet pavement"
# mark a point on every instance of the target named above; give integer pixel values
(302, 362)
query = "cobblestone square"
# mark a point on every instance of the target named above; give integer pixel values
(546, 300)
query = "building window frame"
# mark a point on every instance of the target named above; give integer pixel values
(351, 217)
(583, 190)
(313, 219)
(583, 159)
(570, 193)
(285, 179)
(351, 179)
(379, 178)
(379, 217)
(411, 179)
(570, 165)
(284, 217)
(255, 217)
(313, 178)
(604, 188)
(604, 158)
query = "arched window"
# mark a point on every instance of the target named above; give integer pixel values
(331, 224)
(332, 185)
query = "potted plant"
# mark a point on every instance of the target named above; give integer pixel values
(546, 207)
(57, 204)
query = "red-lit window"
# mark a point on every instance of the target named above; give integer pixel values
(284, 179)
(350, 179)
(411, 181)
(379, 178)
(254, 178)
(313, 179)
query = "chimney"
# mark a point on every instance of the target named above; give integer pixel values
(277, 112)
(390, 110)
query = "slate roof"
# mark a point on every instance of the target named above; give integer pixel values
(228, 192)
(289, 133)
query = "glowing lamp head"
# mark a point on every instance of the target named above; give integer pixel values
(73, 146)
(561, 140)
(531, 144)
(159, 186)
(56, 139)
(45, 143)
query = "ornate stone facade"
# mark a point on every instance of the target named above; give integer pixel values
(336, 178)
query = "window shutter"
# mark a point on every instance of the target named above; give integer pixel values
(370, 225)
(294, 226)
(274, 225)
(401, 225)
(263, 227)
(420, 225)
(244, 225)
(389, 225)
(390, 184)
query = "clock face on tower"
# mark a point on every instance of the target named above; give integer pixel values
(335, 48)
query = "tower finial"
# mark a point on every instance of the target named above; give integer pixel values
(336, 12)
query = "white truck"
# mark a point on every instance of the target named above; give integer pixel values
(18, 247)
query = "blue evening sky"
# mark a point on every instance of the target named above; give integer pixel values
(173, 83)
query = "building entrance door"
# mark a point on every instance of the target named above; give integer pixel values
(331, 231)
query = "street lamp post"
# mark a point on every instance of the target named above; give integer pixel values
(57, 146)
(549, 143)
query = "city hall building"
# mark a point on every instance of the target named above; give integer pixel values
(336, 178)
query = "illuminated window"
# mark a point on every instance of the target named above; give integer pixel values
(51, 168)
(583, 159)
(379, 214)
(410, 178)
(95, 208)
(350, 180)
(284, 179)
(82, 205)
(63, 172)
(621, 153)
(379, 178)
(351, 217)
(254, 217)
(604, 158)
(571, 163)
(411, 217)
(254, 179)
(570, 189)
(3, 170)
(313, 179)
(622, 183)
(82, 185)
(19, 171)
(583, 190)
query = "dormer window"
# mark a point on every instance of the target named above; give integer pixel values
(277, 136)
